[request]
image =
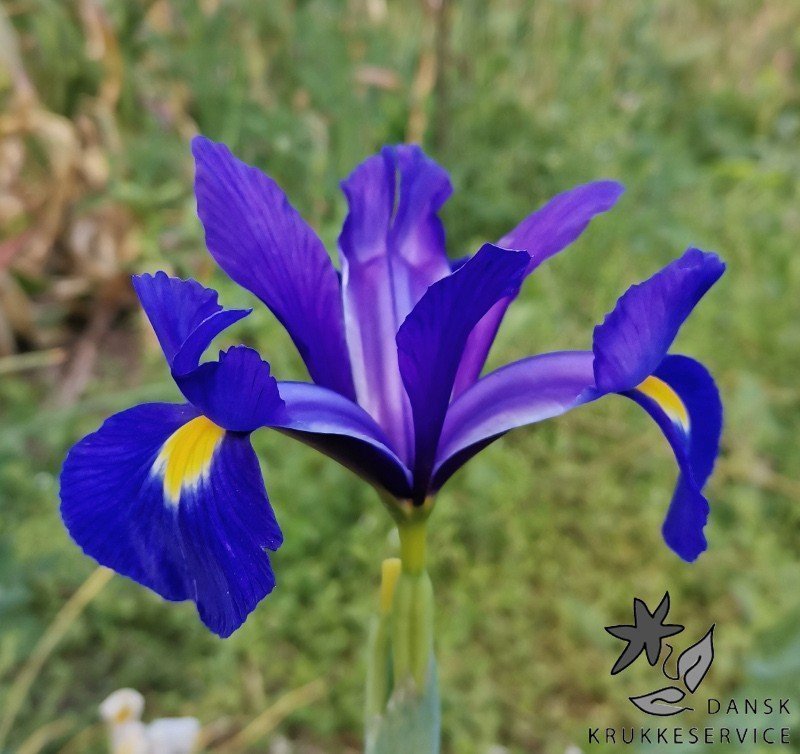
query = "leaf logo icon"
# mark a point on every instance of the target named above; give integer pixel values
(645, 636)
(660, 702)
(693, 664)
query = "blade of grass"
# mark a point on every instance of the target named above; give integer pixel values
(55, 632)
(21, 362)
(80, 742)
(41, 737)
(269, 719)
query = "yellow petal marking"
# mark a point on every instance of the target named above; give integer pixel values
(669, 401)
(186, 456)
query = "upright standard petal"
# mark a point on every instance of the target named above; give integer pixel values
(432, 338)
(261, 241)
(166, 497)
(635, 336)
(392, 250)
(342, 430)
(556, 225)
(185, 316)
(542, 234)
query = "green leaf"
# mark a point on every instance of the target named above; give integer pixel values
(411, 722)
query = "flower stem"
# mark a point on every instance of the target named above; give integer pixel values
(413, 546)
(413, 607)
(402, 706)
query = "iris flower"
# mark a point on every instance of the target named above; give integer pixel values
(171, 495)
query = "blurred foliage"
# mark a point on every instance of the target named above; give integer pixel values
(545, 537)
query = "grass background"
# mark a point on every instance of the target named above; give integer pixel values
(546, 536)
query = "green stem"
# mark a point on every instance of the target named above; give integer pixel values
(413, 607)
(402, 687)
(413, 546)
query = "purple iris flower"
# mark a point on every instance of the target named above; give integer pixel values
(171, 495)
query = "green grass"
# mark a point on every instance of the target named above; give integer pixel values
(545, 537)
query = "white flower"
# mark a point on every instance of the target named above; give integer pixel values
(122, 706)
(130, 738)
(173, 735)
(122, 712)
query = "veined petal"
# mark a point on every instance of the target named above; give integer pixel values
(559, 222)
(684, 401)
(527, 391)
(185, 316)
(432, 338)
(680, 396)
(635, 336)
(417, 238)
(171, 500)
(263, 244)
(677, 392)
(542, 234)
(237, 392)
(226, 523)
(392, 249)
(342, 430)
(102, 500)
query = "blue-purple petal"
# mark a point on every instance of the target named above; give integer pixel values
(680, 396)
(110, 509)
(417, 235)
(635, 336)
(542, 234)
(185, 316)
(225, 526)
(342, 430)
(236, 392)
(527, 391)
(431, 342)
(202, 538)
(263, 244)
(392, 248)
(559, 222)
(695, 443)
